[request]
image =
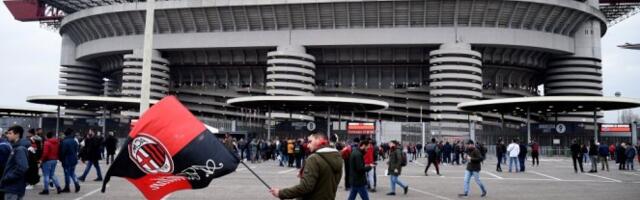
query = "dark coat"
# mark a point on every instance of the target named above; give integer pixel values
(111, 144)
(575, 150)
(5, 151)
(523, 150)
(395, 162)
(603, 150)
(92, 149)
(631, 152)
(13, 181)
(69, 151)
(475, 157)
(321, 175)
(357, 168)
(593, 150)
(500, 149)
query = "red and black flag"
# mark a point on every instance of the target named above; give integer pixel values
(169, 149)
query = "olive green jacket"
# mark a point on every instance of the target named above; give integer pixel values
(395, 162)
(320, 178)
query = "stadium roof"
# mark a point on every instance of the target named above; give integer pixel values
(16, 111)
(88, 102)
(307, 103)
(550, 104)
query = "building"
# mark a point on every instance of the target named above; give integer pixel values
(422, 57)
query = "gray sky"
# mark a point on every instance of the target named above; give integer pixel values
(30, 58)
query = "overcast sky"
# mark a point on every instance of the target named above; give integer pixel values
(30, 57)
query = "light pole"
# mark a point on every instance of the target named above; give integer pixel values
(618, 94)
(145, 85)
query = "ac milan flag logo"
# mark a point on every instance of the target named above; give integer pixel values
(149, 155)
(169, 149)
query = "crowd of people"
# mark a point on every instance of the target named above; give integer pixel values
(595, 152)
(22, 158)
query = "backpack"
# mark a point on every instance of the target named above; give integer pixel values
(403, 160)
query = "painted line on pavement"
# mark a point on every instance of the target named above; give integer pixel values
(287, 171)
(429, 193)
(523, 179)
(614, 180)
(244, 168)
(89, 194)
(548, 176)
(418, 163)
(492, 174)
(632, 173)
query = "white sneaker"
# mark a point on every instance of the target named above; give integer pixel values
(29, 187)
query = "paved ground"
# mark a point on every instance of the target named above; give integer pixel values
(553, 179)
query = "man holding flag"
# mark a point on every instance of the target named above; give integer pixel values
(321, 173)
(169, 149)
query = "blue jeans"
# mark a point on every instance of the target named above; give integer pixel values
(49, 173)
(355, 190)
(88, 168)
(394, 181)
(512, 161)
(467, 178)
(70, 173)
(630, 164)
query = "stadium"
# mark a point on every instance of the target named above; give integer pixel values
(423, 57)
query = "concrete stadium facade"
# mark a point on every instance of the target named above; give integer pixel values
(422, 57)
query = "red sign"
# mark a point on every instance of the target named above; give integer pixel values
(361, 128)
(615, 130)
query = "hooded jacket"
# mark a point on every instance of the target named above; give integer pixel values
(321, 175)
(358, 168)
(69, 151)
(50, 150)
(13, 180)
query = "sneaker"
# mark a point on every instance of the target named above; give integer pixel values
(77, 188)
(484, 194)
(81, 179)
(65, 190)
(44, 192)
(29, 187)
(59, 190)
(462, 195)
(391, 194)
(406, 189)
(97, 179)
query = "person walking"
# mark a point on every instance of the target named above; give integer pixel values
(576, 156)
(500, 151)
(631, 155)
(34, 153)
(535, 153)
(69, 158)
(5, 152)
(346, 154)
(13, 181)
(432, 152)
(321, 173)
(593, 156)
(358, 170)
(446, 153)
(522, 156)
(111, 144)
(621, 156)
(92, 156)
(419, 149)
(513, 150)
(396, 161)
(290, 152)
(603, 152)
(369, 160)
(49, 161)
(457, 150)
(473, 169)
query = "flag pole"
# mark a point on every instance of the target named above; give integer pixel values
(256, 175)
